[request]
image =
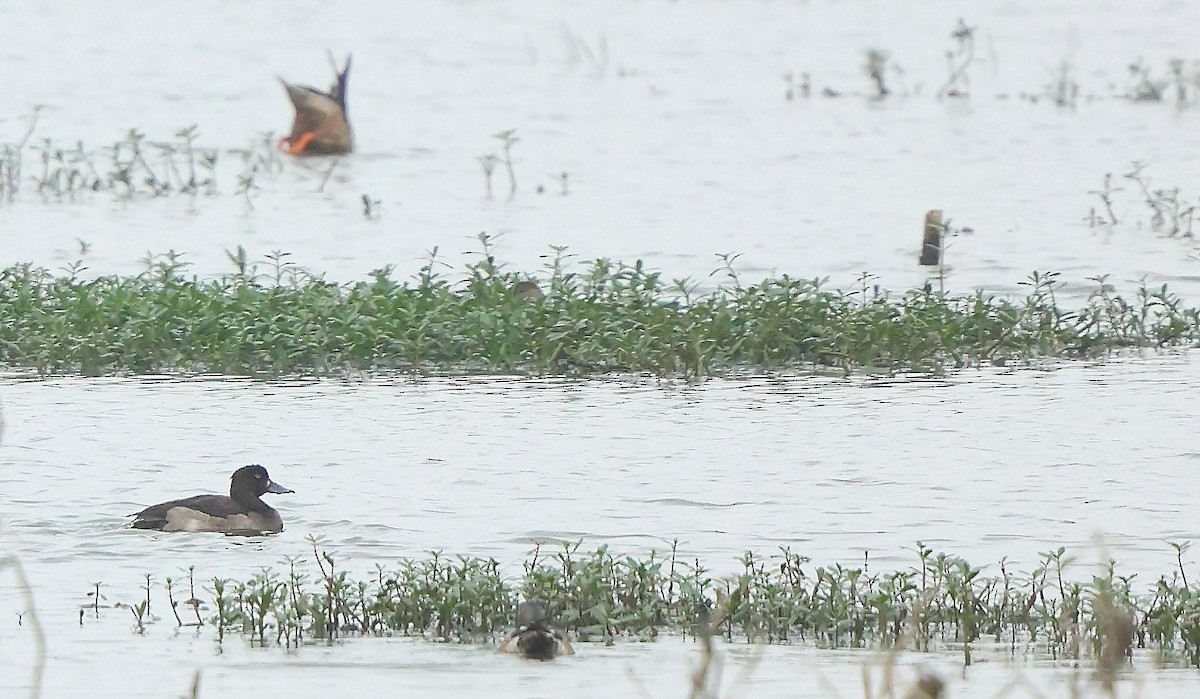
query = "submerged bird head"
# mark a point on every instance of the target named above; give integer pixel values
(321, 125)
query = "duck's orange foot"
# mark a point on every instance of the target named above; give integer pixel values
(296, 147)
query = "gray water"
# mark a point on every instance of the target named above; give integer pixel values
(671, 121)
(981, 464)
(675, 134)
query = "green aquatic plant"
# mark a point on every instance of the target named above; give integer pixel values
(1168, 212)
(133, 167)
(958, 60)
(875, 66)
(141, 608)
(942, 602)
(1144, 87)
(275, 318)
(1063, 88)
(507, 139)
(488, 163)
(227, 604)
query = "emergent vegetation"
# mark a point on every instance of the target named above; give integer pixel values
(943, 602)
(611, 318)
(135, 167)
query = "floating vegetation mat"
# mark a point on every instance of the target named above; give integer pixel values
(942, 602)
(611, 317)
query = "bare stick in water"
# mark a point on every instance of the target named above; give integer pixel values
(931, 245)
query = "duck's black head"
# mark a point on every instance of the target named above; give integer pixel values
(251, 482)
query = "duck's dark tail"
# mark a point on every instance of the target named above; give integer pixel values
(338, 90)
(149, 523)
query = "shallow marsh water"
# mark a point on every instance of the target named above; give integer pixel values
(986, 465)
(679, 145)
(676, 136)
(981, 464)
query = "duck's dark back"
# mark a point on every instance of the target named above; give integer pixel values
(155, 516)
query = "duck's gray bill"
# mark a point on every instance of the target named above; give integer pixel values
(274, 487)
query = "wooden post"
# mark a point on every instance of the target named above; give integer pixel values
(931, 245)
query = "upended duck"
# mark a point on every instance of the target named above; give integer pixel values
(533, 637)
(321, 126)
(240, 512)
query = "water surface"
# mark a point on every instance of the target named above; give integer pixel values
(671, 121)
(985, 465)
(669, 118)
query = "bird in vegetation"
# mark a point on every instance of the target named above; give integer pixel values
(528, 290)
(533, 637)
